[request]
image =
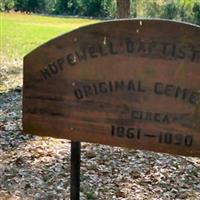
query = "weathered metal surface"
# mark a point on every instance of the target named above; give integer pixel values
(129, 83)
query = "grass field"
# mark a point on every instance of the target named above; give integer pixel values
(21, 33)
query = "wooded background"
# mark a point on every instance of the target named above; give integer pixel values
(183, 10)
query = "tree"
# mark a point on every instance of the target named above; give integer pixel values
(35, 5)
(92, 7)
(184, 10)
(30, 5)
(61, 7)
(21, 5)
(133, 8)
(196, 11)
(153, 9)
(7, 5)
(170, 11)
(123, 8)
(109, 8)
(50, 6)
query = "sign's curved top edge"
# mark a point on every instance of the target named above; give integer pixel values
(152, 19)
(113, 21)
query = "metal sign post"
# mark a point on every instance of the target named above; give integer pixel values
(75, 170)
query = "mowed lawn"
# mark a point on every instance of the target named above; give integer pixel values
(21, 33)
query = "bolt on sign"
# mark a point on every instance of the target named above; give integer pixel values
(127, 83)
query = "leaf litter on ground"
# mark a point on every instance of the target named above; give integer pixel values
(33, 167)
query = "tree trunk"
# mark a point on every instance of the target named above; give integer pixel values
(123, 8)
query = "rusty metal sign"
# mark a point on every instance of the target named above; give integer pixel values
(128, 83)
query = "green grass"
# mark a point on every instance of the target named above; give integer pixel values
(21, 33)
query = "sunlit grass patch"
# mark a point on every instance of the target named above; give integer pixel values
(21, 33)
